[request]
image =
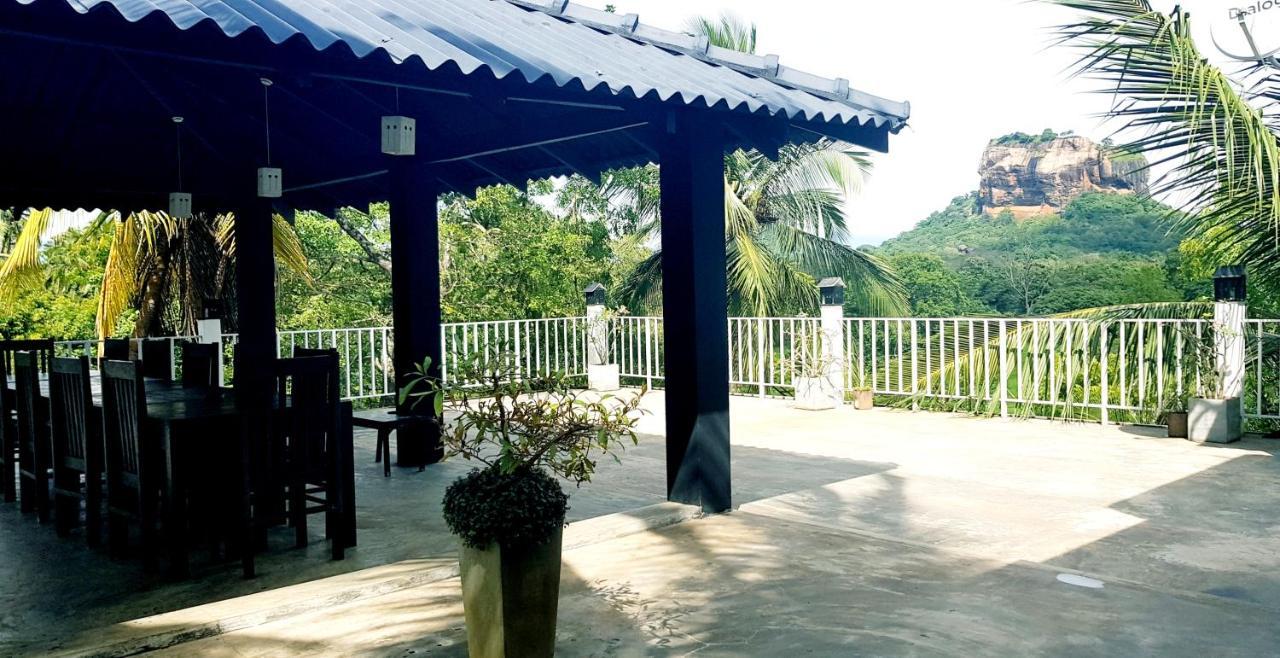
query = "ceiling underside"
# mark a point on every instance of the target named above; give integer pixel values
(88, 99)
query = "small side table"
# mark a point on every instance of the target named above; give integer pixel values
(386, 421)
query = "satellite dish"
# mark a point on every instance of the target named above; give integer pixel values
(1252, 25)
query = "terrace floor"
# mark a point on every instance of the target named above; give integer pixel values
(856, 533)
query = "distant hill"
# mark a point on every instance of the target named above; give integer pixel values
(1093, 223)
(1100, 249)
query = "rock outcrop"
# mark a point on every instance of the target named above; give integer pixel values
(1035, 176)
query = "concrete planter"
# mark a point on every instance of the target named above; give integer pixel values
(509, 597)
(863, 399)
(816, 394)
(603, 377)
(1177, 423)
(1214, 421)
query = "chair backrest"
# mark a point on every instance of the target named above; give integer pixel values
(200, 364)
(115, 349)
(42, 347)
(124, 408)
(309, 385)
(32, 445)
(157, 359)
(71, 403)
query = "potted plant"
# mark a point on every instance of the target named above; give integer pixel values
(816, 376)
(862, 397)
(1175, 417)
(601, 374)
(1212, 416)
(509, 512)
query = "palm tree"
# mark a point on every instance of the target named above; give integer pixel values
(1217, 134)
(1217, 137)
(163, 266)
(784, 220)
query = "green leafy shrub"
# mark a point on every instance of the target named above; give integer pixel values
(523, 428)
(523, 508)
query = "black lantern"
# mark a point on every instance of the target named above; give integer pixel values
(595, 294)
(211, 308)
(1228, 284)
(831, 290)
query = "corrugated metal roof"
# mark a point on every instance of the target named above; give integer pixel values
(535, 39)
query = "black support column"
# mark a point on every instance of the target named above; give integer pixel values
(415, 293)
(695, 310)
(255, 302)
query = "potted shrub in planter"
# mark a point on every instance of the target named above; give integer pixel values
(509, 512)
(816, 377)
(1212, 416)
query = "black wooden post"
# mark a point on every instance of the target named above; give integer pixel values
(694, 306)
(415, 294)
(255, 302)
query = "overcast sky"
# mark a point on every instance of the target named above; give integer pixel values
(972, 70)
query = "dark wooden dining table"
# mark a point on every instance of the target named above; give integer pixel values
(177, 417)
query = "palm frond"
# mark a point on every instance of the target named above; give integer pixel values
(1222, 153)
(728, 31)
(871, 285)
(23, 268)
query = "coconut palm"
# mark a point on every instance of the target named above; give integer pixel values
(784, 220)
(1216, 137)
(163, 266)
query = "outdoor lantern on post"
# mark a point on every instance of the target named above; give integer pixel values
(1228, 284)
(399, 135)
(831, 290)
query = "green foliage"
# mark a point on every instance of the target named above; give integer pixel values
(1103, 249)
(522, 508)
(345, 289)
(66, 304)
(933, 290)
(518, 424)
(504, 256)
(1023, 139)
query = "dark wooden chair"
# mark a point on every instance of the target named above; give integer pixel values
(33, 435)
(8, 422)
(8, 440)
(157, 359)
(309, 388)
(132, 483)
(200, 365)
(77, 451)
(115, 349)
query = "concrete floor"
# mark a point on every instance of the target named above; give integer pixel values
(858, 533)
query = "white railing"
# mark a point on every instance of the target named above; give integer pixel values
(1114, 370)
(541, 346)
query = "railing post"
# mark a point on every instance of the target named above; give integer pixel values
(1229, 312)
(760, 355)
(601, 374)
(1104, 375)
(831, 290)
(209, 330)
(1004, 370)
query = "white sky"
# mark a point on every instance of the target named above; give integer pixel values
(972, 70)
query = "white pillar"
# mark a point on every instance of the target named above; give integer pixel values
(601, 374)
(209, 330)
(831, 290)
(1228, 345)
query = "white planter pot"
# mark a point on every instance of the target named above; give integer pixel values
(816, 394)
(1214, 421)
(603, 377)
